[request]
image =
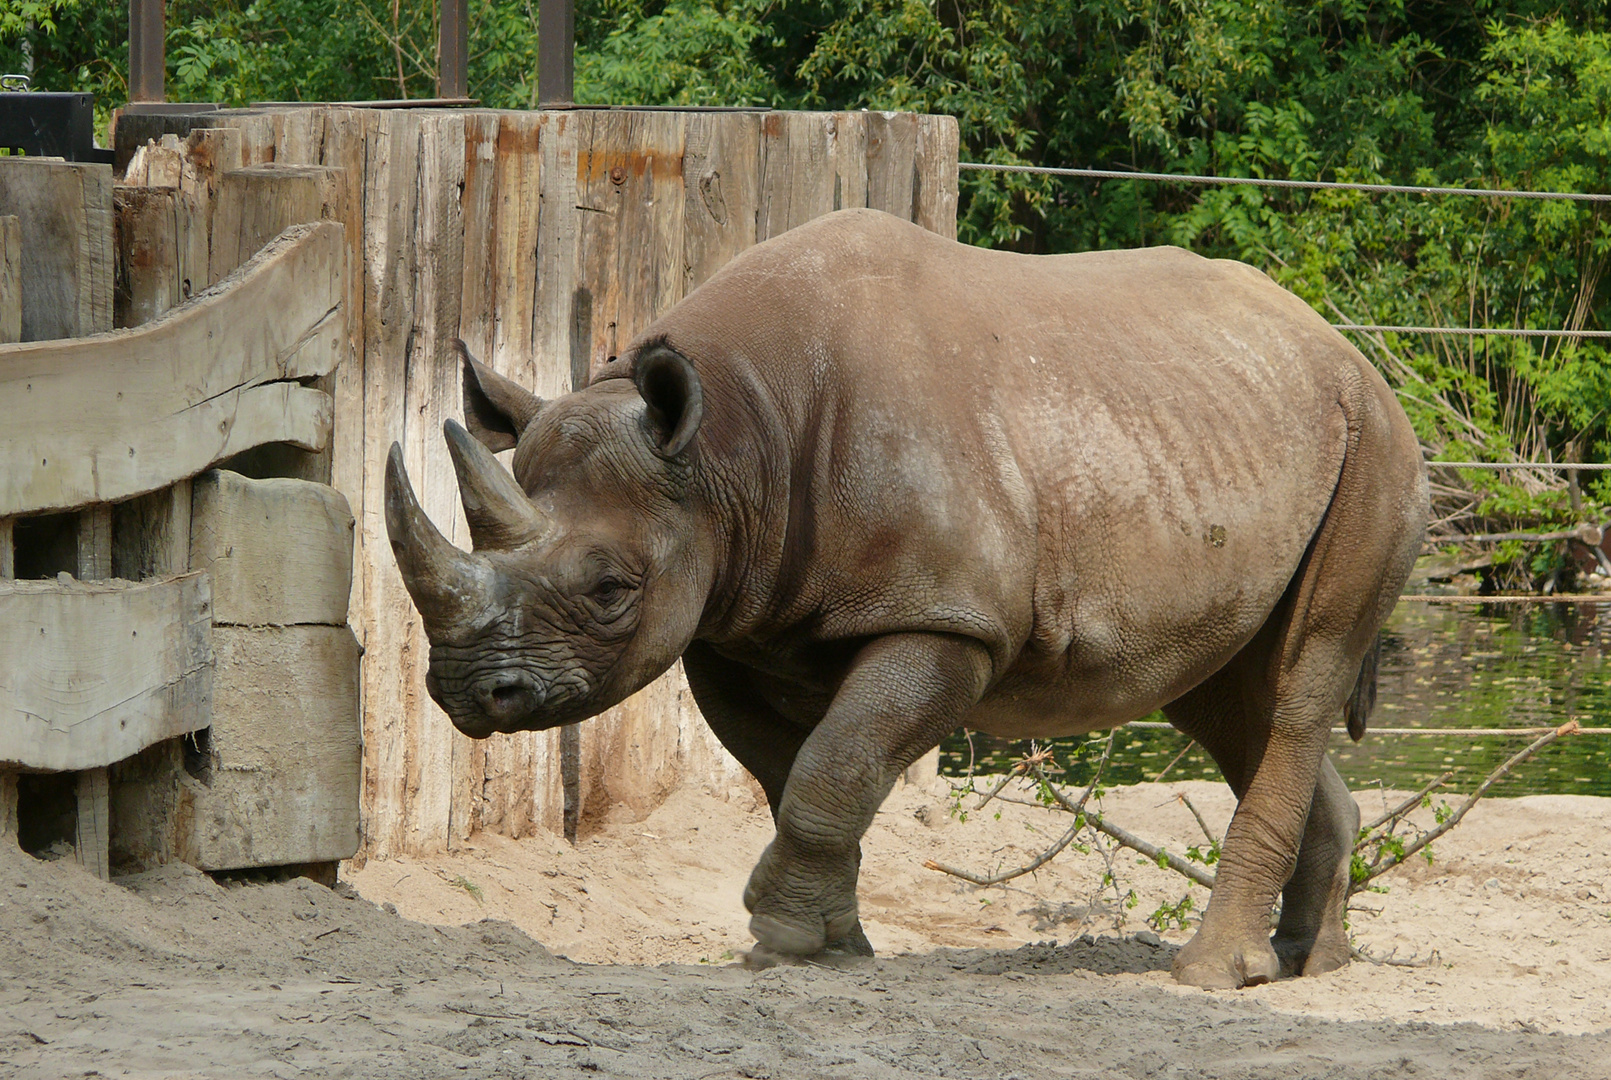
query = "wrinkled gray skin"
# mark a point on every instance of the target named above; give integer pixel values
(871, 485)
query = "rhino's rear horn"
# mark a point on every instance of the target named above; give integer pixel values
(451, 588)
(499, 513)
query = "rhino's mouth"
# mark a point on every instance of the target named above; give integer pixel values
(483, 699)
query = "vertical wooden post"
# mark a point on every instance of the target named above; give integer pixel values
(146, 52)
(10, 279)
(93, 848)
(556, 52)
(453, 50)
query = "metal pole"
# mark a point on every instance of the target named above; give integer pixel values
(556, 52)
(146, 59)
(453, 50)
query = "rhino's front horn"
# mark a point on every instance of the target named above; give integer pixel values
(451, 588)
(499, 514)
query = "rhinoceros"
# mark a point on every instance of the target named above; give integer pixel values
(871, 485)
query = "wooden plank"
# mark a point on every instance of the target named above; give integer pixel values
(848, 134)
(479, 207)
(344, 148)
(8, 551)
(721, 180)
(8, 806)
(297, 135)
(242, 528)
(431, 395)
(65, 215)
(285, 740)
(95, 543)
(253, 205)
(390, 624)
(92, 672)
(10, 279)
(161, 252)
(257, 137)
(151, 534)
(164, 401)
(93, 843)
(934, 196)
(799, 171)
(891, 162)
(630, 248)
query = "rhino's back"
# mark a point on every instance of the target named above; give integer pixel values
(1111, 462)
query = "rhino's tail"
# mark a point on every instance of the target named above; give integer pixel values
(1363, 699)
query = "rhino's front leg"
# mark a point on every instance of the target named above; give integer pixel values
(902, 695)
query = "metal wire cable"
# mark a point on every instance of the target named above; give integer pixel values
(1307, 185)
(1586, 466)
(1159, 725)
(1473, 331)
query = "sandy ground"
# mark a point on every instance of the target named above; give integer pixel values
(457, 965)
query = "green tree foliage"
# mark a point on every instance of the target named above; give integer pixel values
(1440, 92)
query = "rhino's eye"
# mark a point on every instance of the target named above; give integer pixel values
(608, 591)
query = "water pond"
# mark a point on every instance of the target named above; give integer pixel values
(1443, 666)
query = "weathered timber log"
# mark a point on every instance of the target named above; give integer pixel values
(10, 279)
(65, 214)
(244, 531)
(164, 401)
(161, 252)
(92, 672)
(253, 205)
(285, 750)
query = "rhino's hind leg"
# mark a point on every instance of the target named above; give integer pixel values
(1310, 938)
(1266, 718)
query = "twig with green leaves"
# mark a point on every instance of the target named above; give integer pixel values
(1379, 848)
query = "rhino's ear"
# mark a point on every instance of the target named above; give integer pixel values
(496, 410)
(670, 389)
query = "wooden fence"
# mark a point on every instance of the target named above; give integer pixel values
(177, 679)
(546, 241)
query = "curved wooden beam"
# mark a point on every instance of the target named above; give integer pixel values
(108, 417)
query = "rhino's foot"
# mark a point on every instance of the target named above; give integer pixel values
(854, 943)
(845, 952)
(800, 905)
(1308, 956)
(1226, 965)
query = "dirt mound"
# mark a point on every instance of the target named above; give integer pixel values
(172, 974)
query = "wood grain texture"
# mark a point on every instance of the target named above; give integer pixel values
(10, 278)
(344, 147)
(721, 181)
(91, 846)
(254, 204)
(65, 214)
(279, 550)
(164, 401)
(430, 395)
(161, 252)
(285, 740)
(891, 162)
(392, 634)
(91, 673)
(151, 534)
(935, 197)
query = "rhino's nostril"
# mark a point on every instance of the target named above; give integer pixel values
(509, 696)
